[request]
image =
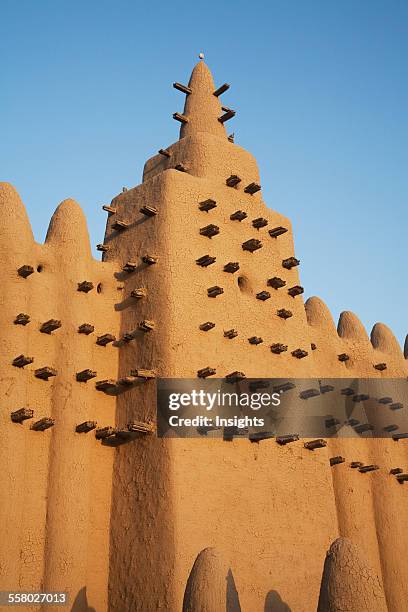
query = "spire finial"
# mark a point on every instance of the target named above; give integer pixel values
(202, 108)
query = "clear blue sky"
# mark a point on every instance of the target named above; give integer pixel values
(320, 89)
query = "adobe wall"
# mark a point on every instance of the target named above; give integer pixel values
(230, 481)
(56, 486)
(142, 533)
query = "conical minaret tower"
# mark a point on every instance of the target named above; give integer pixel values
(202, 109)
(219, 277)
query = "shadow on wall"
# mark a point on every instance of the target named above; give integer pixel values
(274, 603)
(81, 602)
(232, 599)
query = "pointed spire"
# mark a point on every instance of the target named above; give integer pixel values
(202, 109)
(384, 340)
(210, 586)
(349, 583)
(68, 230)
(15, 224)
(318, 314)
(351, 328)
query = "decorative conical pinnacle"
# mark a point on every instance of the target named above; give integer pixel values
(202, 109)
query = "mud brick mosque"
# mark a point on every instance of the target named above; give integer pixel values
(198, 278)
